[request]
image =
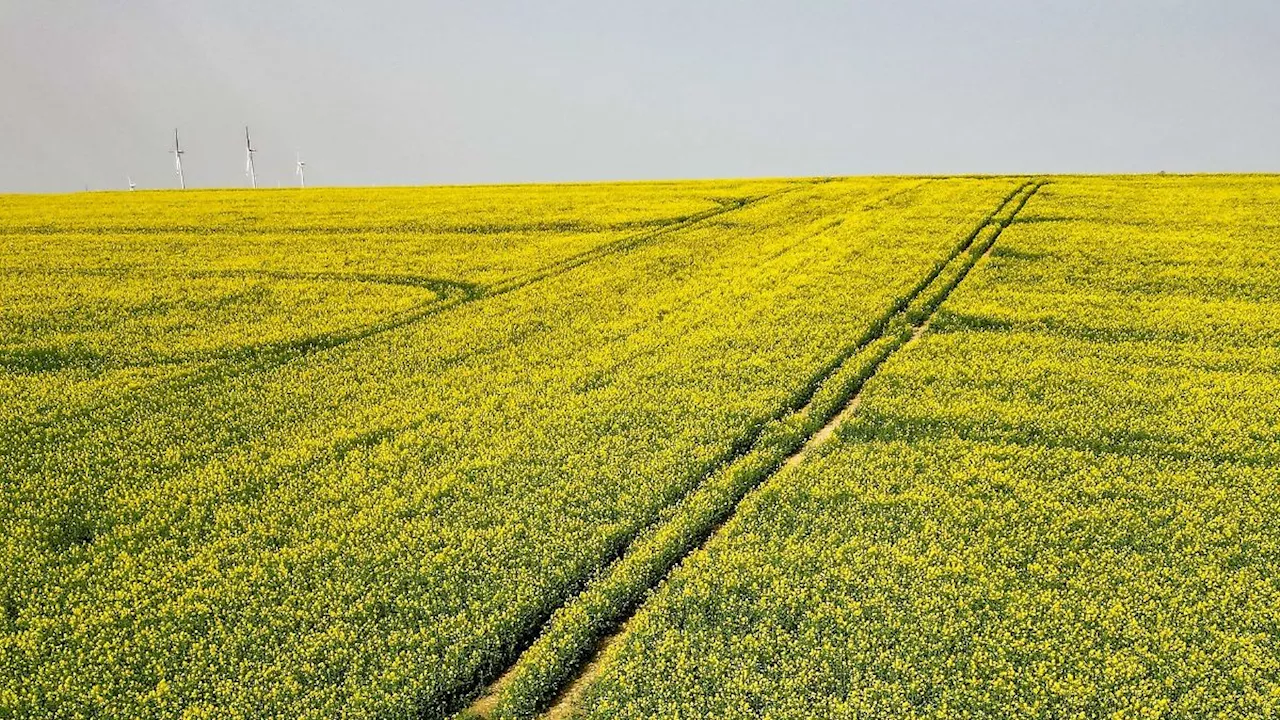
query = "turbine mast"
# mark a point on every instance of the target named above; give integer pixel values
(177, 160)
(248, 162)
(301, 172)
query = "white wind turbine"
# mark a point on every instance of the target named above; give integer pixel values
(301, 172)
(177, 160)
(248, 158)
(132, 184)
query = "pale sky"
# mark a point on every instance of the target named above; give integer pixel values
(378, 92)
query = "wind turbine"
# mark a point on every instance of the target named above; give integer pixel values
(301, 172)
(248, 158)
(132, 184)
(177, 159)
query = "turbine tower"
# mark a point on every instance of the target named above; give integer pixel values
(132, 184)
(177, 160)
(248, 158)
(301, 172)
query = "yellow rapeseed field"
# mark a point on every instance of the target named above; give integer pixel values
(361, 452)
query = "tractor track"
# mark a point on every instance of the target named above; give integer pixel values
(903, 324)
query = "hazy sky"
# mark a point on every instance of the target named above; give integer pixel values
(379, 92)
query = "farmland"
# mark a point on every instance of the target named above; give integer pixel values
(363, 453)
